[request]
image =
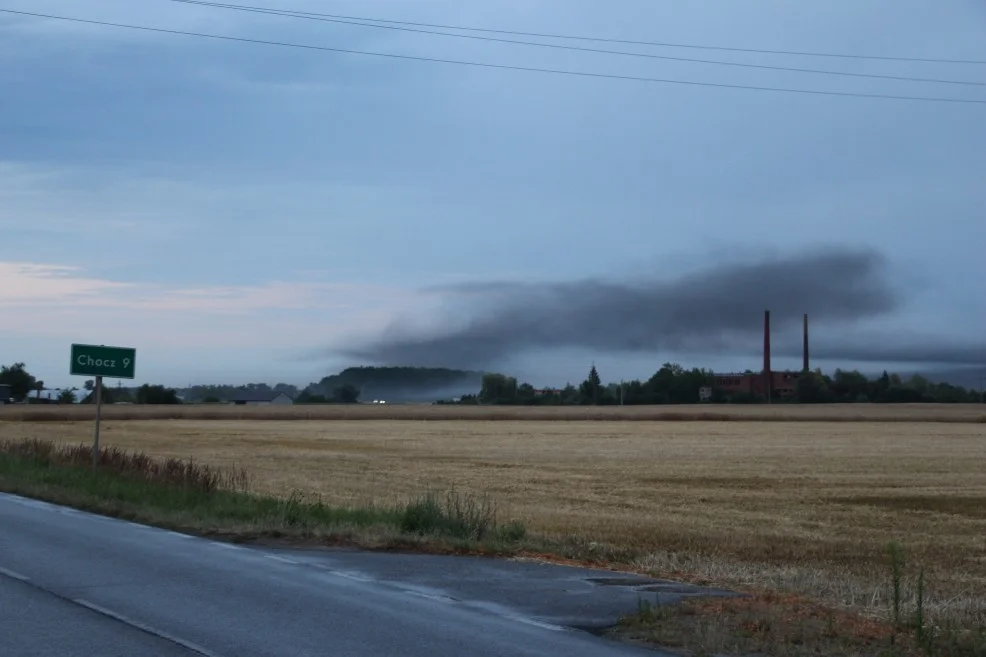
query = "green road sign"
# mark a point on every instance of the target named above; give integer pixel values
(97, 360)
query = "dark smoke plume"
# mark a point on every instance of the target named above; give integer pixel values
(717, 310)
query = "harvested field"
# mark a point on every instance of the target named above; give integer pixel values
(803, 506)
(689, 413)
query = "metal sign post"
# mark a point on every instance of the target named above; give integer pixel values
(95, 431)
(100, 361)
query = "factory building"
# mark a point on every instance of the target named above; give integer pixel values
(767, 384)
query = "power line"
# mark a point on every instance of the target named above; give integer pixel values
(435, 60)
(307, 16)
(661, 44)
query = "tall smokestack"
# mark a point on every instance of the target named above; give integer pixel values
(804, 367)
(768, 379)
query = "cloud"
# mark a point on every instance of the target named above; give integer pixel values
(715, 310)
(29, 284)
(64, 302)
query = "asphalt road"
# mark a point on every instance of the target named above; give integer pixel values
(73, 583)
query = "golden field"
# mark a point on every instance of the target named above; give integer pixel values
(803, 499)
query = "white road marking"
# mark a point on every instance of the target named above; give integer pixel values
(353, 576)
(281, 559)
(12, 574)
(228, 546)
(537, 623)
(175, 534)
(145, 627)
(429, 596)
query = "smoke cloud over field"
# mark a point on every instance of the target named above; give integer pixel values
(716, 310)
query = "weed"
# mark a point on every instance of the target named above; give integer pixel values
(651, 612)
(512, 532)
(896, 555)
(458, 516)
(945, 640)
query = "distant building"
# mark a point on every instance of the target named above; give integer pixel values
(261, 398)
(548, 391)
(782, 384)
(705, 394)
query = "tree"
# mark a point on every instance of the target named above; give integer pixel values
(67, 396)
(850, 386)
(306, 397)
(918, 382)
(904, 395)
(20, 381)
(569, 395)
(346, 394)
(590, 388)
(148, 394)
(811, 388)
(526, 393)
(498, 389)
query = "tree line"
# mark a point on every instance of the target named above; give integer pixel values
(673, 384)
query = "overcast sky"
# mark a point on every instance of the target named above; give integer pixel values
(240, 212)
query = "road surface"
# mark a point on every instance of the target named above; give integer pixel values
(73, 583)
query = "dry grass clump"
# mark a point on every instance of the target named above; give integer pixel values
(973, 413)
(176, 472)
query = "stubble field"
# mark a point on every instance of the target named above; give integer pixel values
(800, 502)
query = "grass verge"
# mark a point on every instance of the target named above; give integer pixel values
(186, 496)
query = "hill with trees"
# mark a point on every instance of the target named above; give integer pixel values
(225, 392)
(398, 384)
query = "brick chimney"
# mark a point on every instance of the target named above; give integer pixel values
(804, 367)
(767, 377)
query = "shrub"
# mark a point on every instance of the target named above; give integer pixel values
(457, 516)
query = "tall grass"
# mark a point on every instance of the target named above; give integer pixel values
(168, 472)
(186, 495)
(944, 639)
(459, 516)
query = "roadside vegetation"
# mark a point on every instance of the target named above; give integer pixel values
(201, 499)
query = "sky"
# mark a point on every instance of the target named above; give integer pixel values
(241, 212)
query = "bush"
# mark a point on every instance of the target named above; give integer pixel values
(457, 516)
